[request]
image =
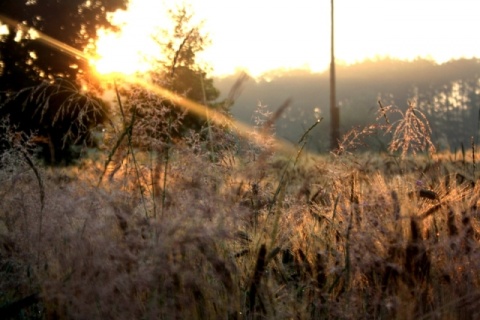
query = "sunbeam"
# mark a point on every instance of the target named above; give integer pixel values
(242, 129)
(45, 39)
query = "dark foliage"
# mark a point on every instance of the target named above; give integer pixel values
(73, 22)
(197, 87)
(54, 117)
(162, 119)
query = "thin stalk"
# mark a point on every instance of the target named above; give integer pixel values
(135, 163)
(209, 126)
(303, 140)
(117, 93)
(276, 223)
(152, 181)
(255, 281)
(125, 133)
(111, 154)
(41, 188)
(165, 170)
(332, 224)
(282, 183)
(383, 112)
(347, 250)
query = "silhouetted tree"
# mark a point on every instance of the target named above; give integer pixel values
(34, 101)
(162, 119)
(25, 61)
(185, 75)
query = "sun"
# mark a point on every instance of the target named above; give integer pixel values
(260, 36)
(132, 49)
(119, 53)
(122, 53)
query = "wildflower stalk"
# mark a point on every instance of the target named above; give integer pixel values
(412, 132)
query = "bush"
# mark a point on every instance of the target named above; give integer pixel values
(60, 117)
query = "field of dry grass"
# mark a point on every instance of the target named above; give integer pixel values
(250, 233)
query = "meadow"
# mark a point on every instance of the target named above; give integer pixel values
(233, 227)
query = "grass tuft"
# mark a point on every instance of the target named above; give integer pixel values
(154, 227)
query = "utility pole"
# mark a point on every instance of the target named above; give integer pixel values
(334, 110)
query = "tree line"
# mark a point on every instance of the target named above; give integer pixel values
(448, 93)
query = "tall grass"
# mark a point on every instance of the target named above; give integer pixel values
(254, 234)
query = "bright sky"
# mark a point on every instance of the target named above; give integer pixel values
(261, 35)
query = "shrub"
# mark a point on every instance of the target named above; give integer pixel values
(60, 116)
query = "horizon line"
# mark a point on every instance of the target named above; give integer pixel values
(341, 63)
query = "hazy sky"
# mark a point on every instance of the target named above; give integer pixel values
(259, 35)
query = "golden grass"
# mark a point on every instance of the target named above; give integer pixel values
(264, 232)
(340, 242)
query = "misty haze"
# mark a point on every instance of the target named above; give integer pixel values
(449, 95)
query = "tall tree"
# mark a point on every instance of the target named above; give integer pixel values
(180, 47)
(334, 110)
(24, 61)
(179, 71)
